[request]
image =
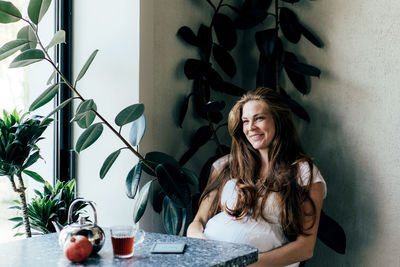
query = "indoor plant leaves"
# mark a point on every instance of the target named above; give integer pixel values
(89, 136)
(310, 37)
(44, 97)
(170, 180)
(227, 88)
(289, 25)
(188, 35)
(297, 79)
(137, 130)
(37, 9)
(225, 31)
(27, 57)
(133, 179)
(27, 33)
(11, 47)
(86, 66)
(249, 19)
(109, 161)
(195, 69)
(331, 233)
(173, 217)
(141, 202)
(266, 40)
(302, 68)
(9, 13)
(84, 115)
(224, 60)
(183, 109)
(129, 114)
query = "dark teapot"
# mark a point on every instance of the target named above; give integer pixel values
(91, 230)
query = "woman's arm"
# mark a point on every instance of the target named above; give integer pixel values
(196, 228)
(303, 247)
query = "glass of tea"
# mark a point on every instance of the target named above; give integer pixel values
(123, 239)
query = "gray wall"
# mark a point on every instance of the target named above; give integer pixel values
(353, 106)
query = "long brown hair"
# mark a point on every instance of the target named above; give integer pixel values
(285, 153)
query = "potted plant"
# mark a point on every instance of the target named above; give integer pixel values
(18, 151)
(50, 205)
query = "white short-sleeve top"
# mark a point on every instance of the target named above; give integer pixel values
(258, 233)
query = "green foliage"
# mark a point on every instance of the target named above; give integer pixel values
(51, 205)
(170, 178)
(18, 138)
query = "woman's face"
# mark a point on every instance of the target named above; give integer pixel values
(258, 124)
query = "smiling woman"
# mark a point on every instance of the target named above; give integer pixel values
(18, 88)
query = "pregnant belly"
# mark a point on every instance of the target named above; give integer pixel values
(259, 234)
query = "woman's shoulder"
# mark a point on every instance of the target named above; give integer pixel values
(308, 169)
(220, 163)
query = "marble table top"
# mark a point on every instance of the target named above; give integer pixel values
(44, 251)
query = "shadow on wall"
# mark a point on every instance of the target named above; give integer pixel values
(347, 202)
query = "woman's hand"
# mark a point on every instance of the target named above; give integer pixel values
(195, 230)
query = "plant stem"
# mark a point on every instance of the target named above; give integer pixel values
(277, 85)
(24, 209)
(207, 59)
(73, 89)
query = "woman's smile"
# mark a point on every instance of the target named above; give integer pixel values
(258, 124)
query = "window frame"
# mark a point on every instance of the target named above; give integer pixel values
(64, 153)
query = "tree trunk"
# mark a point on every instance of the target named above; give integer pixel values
(25, 214)
(24, 209)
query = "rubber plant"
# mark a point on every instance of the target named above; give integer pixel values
(18, 151)
(173, 186)
(212, 71)
(50, 205)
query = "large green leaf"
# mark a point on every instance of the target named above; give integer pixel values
(27, 57)
(331, 234)
(129, 114)
(183, 109)
(137, 130)
(173, 217)
(58, 38)
(32, 159)
(89, 136)
(133, 179)
(27, 33)
(290, 25)
(11, 47)
(173, 184)
(195, 69)
(9, 13)
(108, 163)
(188, 35)
(37, 9)
(224, 60)
(225, 31)
(35, 176)
(84, 113)
(141, 202)
(87, 65)
(302, 68)
(192, 181)
(154, 158)
(45, 97)
(297, 79)
(62, 105)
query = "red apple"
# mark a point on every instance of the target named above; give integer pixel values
(77, 248)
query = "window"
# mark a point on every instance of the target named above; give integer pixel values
(18, 88)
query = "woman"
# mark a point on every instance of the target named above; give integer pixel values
(267, 192)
